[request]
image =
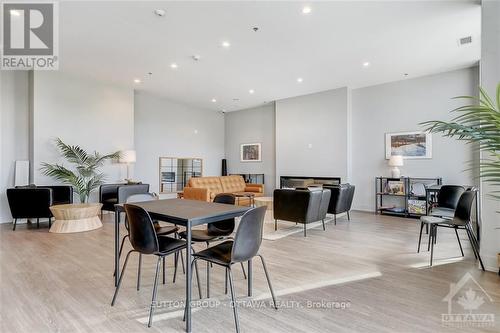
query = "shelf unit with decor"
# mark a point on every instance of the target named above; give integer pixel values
(405, 196)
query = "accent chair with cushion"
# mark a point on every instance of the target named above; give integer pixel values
(447, 201)
(111, 194)
(29, 202)
(301, 206)
(341, 199)
(206, 188)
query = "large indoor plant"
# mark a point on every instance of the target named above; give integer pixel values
(84, 176)
(477, 122)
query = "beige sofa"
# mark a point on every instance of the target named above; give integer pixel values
(206, 188)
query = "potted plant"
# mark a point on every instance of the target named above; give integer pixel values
(85, 176)
(477, 122)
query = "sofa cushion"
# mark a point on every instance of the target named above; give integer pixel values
(231, 184)
(213, 184)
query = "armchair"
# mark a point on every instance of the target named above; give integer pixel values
(34, 201)
(341, 199)
(300, 206)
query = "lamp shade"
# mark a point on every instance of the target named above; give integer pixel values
(127, 156)
(396, 161)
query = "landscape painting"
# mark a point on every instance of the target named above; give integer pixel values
(408, 144)
(250, 152)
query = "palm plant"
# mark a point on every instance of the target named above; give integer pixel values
(478, 122)
(85, 176)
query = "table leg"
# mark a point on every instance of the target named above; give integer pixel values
(117, 247)
(188, 277)
(249, 277)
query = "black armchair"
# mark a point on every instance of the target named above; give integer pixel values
(341, 199)
(447, 201)
(34, 201)
(111, 194)
(300, 206)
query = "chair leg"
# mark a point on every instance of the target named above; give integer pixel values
(121, 249)
(335, 219)
(15, 223)
(348, 216)
(50, 222)
(432, 235)
(208, 279)
(176, 261)
(139, 272)
(268, 281)
(164, 269)
(427, 230)
(233, 301)
(155, 289)
(198, 279)
(305, 230)
(225, 283)
(420, 236)
(471, 244)
(193, 264)
(182, 263)
(121, 278)
(38, 223)
(275, 225)
(243, 270)
(475, 245)
(435, 234)
(459, 244)
(323, 221)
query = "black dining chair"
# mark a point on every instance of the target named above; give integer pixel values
(145, 241)
(461, 220)
(244, 247)
(216, 231)
(160, 231)
(447, 201)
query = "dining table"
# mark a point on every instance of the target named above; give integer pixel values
(186, 213)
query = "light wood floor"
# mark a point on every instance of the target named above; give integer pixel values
(64, 283)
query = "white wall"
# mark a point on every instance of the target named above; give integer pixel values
(14, 128)
(165, 128)
(490, 77)
(311, 135)
(97, 116)
(399, 107)
(248, 126)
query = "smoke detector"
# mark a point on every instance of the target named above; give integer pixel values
(465, 40)
(159, 12)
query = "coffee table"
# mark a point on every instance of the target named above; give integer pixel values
(249, 195)
(264, 201)
(76, 217)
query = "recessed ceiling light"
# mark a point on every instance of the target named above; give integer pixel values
(137, 81)
(226, 44)
(251, 91)
(306, 10)
(15, 13)
(173, 65)
(195, 131)
(406, 74)
(159, 12)
(196, 57)
(299, 80)
(366, 64)
(214, 100)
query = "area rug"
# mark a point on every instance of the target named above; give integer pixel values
(286, 228)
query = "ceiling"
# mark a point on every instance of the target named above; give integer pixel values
(121, 41)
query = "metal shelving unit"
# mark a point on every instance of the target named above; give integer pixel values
(399, 196)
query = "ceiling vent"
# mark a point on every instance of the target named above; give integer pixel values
(465, 40)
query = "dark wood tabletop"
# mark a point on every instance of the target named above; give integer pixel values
(181, 211)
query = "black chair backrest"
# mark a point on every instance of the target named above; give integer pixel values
(325, 202)
(449, 195)
(249, 235)
(142, 197)
(141, 231)
(226, 226)
(61, 194)
(29, 202)
(341, 198)
(464, 208)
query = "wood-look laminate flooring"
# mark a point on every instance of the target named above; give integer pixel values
(368, 266)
